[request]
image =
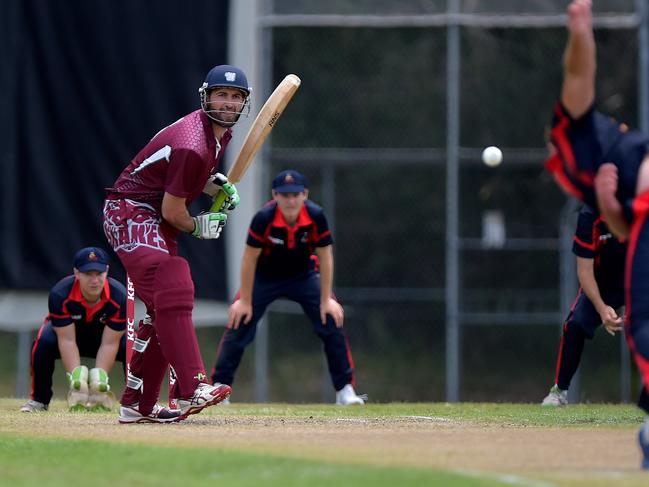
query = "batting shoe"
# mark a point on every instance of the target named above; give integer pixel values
(205, 395)
(32, 406)
(556, 397)
(131, 414)
(643, 439)
(347, 397)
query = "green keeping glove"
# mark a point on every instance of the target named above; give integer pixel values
(78, 378)
(209, 225)
(99, 380)
(78, 392)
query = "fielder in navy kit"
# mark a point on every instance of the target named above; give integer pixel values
(603, 163)
(600, 269)
(87, 318)
(289, 255)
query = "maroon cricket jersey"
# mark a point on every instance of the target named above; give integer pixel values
(178, 160)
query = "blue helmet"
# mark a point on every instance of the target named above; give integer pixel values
(228, 76)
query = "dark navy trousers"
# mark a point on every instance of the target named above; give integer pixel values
(581, 323)
(305, 290)
(45, 352)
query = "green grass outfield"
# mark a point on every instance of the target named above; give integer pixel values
(296, 445)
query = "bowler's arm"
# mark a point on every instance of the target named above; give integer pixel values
(579, 61)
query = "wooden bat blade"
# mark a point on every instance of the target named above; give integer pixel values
(259, 130)
(262, 125)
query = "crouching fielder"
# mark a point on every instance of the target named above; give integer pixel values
(289, 255)
(144, 212)
(87, 318)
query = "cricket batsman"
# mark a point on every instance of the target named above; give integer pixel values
(144, 212)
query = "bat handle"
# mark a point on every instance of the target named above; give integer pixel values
(218, 201)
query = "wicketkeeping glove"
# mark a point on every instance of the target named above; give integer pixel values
(98, 380)
(78, 393)
(99, 398)
(209, 225)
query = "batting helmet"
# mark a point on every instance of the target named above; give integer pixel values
(228, 76)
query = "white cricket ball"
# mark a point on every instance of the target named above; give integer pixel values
(492, 156)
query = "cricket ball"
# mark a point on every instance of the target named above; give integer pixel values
(492, 156)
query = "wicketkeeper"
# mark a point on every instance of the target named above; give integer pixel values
(87, 318)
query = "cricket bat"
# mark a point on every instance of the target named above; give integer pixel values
(259, 131)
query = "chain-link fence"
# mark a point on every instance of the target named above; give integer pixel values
(372, 129)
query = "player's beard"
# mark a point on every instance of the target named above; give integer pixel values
(225, 118)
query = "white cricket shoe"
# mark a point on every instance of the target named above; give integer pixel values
(205, 395)
(557, 397)
(32, 406)
(159, 414)
(347, 396)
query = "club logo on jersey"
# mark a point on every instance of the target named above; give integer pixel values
(305, 237)
(103, 319)
(230, 76)
(275, 240)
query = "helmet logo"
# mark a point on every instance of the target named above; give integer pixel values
(92, 256)
(230, 76)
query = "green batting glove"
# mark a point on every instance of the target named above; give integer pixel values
(209, 225)
(231, 199)
(227, 197)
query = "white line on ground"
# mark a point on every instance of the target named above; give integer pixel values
(510, 479)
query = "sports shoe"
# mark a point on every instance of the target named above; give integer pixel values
(131, 414)
(205, 395)
(556, 397)
(643, 439)
(32, 406)
(347, 396)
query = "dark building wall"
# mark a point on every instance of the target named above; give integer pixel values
(83, 86)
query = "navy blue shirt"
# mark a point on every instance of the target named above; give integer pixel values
(586, 143)
(67, 305)
(593, 240)
(288, 251)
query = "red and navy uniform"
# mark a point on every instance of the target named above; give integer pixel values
(592, 240)
(67, 306)
(583, 145)
(287, 268)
